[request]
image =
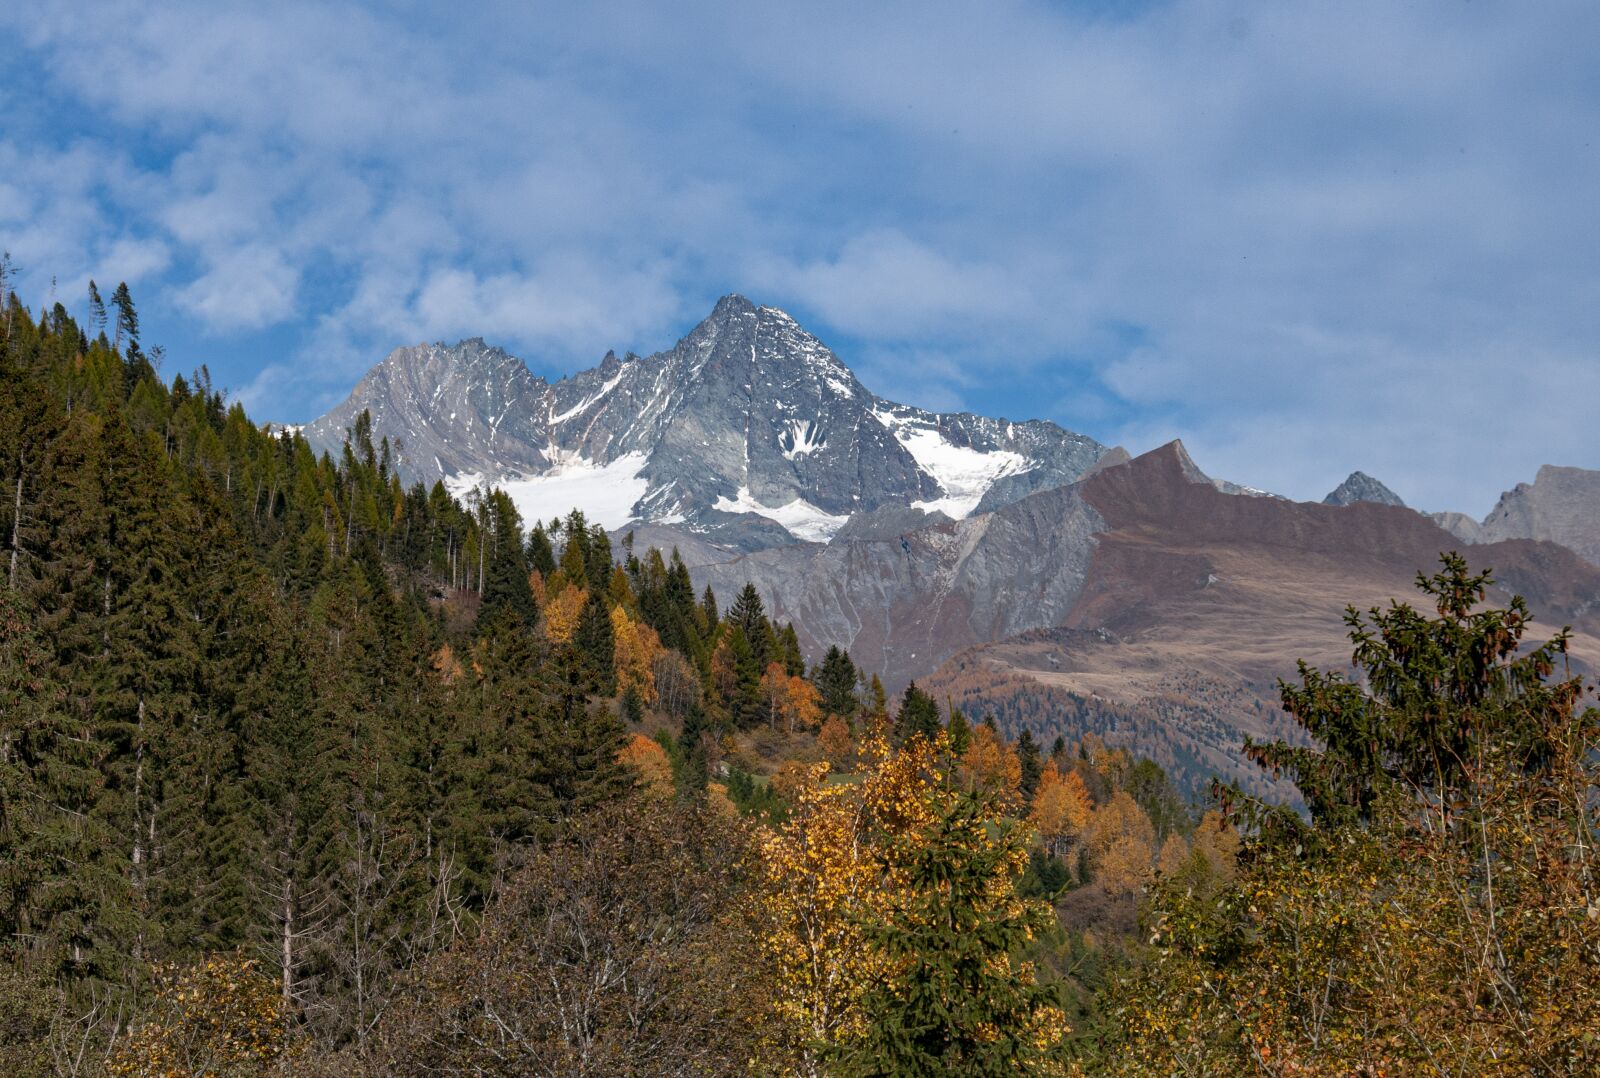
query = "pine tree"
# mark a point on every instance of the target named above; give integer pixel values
(97, 310)
(506, 587)
(957, 1002)
(918, 714)
(541, 556)
(1028, 758)
(836, 678)
(960, 732)
(127, 320)
(595, 642)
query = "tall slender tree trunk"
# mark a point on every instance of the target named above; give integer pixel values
(16, 520)
(288, 941)
(138, 839)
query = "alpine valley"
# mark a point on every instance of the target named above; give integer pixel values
(1010, 567)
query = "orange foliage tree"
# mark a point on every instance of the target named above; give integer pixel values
(990, 765)
(1061, 809)
(650, 763)
(792, 701)
(636, 647)
(1122, 842)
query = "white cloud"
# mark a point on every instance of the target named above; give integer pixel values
(245, 288)
(1305, 237)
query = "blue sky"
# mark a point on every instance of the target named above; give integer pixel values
(1304, 237)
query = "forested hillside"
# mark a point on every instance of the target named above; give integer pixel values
(305, 770)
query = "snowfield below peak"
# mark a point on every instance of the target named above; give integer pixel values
(965, 474)
(606, 493)
(802, 519)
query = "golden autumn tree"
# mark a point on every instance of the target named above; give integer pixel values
(221, 1015)
(835, 741)
(1174, 854)
(636, 647)
(650, 764)
(825, 872)
(857, 863)
(1439, 913)
(989, 764)
(1061, 809)
(1122, 842)
(562, 611)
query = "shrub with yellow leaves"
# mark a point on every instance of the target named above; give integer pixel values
(221, 1015)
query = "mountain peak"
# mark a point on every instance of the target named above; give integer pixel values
(749, 429)
(732, 304)
(1361, 487)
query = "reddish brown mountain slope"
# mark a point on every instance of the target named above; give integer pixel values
(1195, 602)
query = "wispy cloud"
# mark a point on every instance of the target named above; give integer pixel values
(1304, 237)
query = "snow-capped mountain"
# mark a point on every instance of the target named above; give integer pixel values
(749, 430)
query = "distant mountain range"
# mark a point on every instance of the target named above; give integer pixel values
(1012, 566)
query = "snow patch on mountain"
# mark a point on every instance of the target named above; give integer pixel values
(606, 492)
(587, 402)
(802, 519)
(801, 437)
(964, 473)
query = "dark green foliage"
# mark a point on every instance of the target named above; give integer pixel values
(757, 799)
(632, 706)
(836, 678)
(691, 771)
(239, 708)
(541, 555)
(952, 1007)
(505, 586)
(1148, 784)
(1437, 691)
(918, 714)
(595, 642)
(1045, 877)
(1032, 766)
(960, 732)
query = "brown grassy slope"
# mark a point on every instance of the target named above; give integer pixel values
(1196, 601)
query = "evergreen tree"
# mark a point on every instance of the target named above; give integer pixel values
(918, 714)
(956, 1003)
(506, 584)
(541, 555)
(97, 310)
(960, 732)
(1032, 766)
(127, 320)
(595, 641)
(836, 677)
(690, 766)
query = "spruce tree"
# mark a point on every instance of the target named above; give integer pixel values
(595, 641)
(1032, 766)
(836, 678)
(957, 1003)
(918, 714)
(127, 320)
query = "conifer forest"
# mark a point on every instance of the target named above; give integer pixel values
(307, 771)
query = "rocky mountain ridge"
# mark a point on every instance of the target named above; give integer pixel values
(1361, 487)
(1561, 505)
(748, 431)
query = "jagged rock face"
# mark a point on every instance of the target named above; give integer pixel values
(1561, 505)
(1361, 487)
(902, 603)
(749, 431)
(470, 408)
(1459, 525)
